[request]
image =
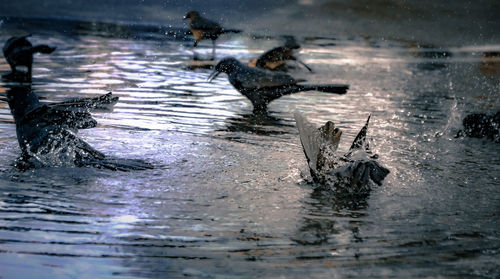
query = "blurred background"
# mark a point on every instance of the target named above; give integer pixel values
(441, 23)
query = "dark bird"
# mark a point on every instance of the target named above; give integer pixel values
(261, 86)
(203, 28)
(276, 58)
(47, 135)
(351, 174)
(18, 52)
(479, 125)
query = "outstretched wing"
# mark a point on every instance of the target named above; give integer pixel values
(310, 138)
(45, 115)
(103, 102)
(360, 140)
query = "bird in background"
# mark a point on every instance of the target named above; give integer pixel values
(276, 58)
(203, 28)
(18, 52)
(262, 86)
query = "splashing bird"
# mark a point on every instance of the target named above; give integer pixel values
(350, 174)
(479, 125)
(47, 134)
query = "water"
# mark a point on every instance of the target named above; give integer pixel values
(231, 193)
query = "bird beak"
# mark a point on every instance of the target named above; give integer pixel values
(213, 75)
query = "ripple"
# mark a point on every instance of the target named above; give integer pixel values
(231, 191)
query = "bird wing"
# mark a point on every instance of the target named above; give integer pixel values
(360, 141)
(310, 137)
(84, 150)
(84, 104)
(54, 116)
(257, 78)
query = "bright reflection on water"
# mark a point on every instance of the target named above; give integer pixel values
(230, 195)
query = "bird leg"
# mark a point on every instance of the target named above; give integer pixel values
(301, 63)
(304, 64)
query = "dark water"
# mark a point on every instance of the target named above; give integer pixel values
(230, 196)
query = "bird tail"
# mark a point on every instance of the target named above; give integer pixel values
(119, 164)
(230, 31)
(43, 49)
(326, 88)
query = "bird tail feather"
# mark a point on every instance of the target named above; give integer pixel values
(119, 164)
(43, 49)
(326, 88)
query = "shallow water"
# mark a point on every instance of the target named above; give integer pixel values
(231, 195)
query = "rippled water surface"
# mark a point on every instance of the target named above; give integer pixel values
(230, 194)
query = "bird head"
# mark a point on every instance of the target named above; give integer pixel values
(226, 65)
(291, 43)
(192, 15)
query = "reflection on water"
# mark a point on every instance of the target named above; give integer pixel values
(230, 194)
(249, 126)
(321, 223)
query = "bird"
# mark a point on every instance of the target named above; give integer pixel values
(479, 125)
(276, 58)
(351, 174)
(203, 28)
(18, 51)
(42, 129)
(262, 86)
(47, 134)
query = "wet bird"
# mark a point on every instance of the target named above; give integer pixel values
(276, 58)
(261, 86)
(47, 134)
(351, 174)
(203, 28)
(18, 52)
(479, 125)
(42, 129)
